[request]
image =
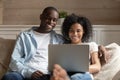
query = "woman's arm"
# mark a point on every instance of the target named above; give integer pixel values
(95, 65)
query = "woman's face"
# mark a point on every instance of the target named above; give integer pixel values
(76, 33)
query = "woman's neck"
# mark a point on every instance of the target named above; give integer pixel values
(77, 43)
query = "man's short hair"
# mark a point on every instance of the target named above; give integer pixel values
(49, 8)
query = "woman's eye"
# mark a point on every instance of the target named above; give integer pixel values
(78, 30)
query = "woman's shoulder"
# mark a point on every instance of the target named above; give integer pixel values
(92, 43)
(93, 46)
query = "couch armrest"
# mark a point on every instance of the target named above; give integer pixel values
(6, 48)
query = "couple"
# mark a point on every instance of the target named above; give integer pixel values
(29, 60)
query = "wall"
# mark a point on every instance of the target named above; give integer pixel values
(1, 12)
(28, 11)
(101, 33)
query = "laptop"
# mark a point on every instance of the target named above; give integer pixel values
(72, 57)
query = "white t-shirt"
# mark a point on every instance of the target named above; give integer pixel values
(93, 47)
(39, 61)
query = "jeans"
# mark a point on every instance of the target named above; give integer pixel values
(12, 76)
(82, 76)
(18, 76)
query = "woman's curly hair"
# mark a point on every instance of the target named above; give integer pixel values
(83, 21)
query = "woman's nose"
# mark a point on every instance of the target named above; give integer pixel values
(75, 32)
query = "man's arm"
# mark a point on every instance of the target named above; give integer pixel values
(18, 58)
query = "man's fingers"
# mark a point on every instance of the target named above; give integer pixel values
(107, 57)
(36, 74)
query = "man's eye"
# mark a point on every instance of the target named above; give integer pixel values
(55, 20)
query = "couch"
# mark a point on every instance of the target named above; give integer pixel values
(109, 71)
(6, 47)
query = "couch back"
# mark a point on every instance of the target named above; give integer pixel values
(6, 48)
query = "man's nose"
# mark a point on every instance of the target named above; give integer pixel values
(51, 21)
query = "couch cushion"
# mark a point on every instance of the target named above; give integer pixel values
(110, 69)
(6, 47)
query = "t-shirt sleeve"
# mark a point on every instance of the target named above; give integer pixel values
(93, 47)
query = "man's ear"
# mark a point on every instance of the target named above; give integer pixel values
(40, 17)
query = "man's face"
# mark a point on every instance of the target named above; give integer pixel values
(48, 20)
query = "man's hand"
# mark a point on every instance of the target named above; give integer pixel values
(103, 54)
(36, 75)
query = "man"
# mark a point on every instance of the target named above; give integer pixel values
(30, 55)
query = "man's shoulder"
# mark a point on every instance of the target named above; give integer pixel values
(57, 37)
(27, 31)
(56, 34)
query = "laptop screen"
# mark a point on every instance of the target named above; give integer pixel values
(73, 58)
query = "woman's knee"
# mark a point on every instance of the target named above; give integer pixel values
(81, 76)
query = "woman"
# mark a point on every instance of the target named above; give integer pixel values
(78, 30)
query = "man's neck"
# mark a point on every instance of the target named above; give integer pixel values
(40, 30)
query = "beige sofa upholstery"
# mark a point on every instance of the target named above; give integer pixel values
(7, 45)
